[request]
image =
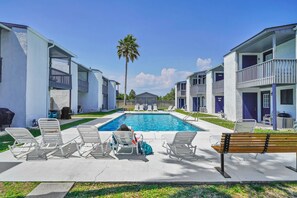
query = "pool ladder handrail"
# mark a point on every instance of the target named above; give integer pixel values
(191, 115)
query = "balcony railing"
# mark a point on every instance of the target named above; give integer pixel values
(218, 86)
(83, 85)
(0, 69)
(181, 93)
(279, 71)
(197, 89)
(59, 79)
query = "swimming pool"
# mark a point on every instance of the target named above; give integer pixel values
(149, 122)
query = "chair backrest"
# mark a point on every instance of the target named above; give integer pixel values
(173, 108)
(149, 107)
(89, 134)
(155, 107)
(136, 106)
(257, 143)
(140, 107)
(245, 125)
(123, 137)
(21, 135)
(50, 131)
(184, 137)
(169, 108)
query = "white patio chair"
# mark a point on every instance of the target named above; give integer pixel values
(173, 108)
(181, 145)
(267, 119)
(136, 107)
(24, 143)
(169, 108)
(141, 108)
(52, 137)
(149, 108)
(125, 139)
(90, 141)
(155, 108)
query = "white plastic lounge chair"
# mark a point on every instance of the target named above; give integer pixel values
(141, 108)
(181, 146)
(149, 108)
(136, 108)
(244, 126)
(173, 108)
(24, 143)
(124, 139)
(90, 141)
(267, 119)
(155, 108)
(52, 137)
(169, 108)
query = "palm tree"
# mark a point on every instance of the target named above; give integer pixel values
(128, 48)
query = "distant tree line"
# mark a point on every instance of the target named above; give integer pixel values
(169, 96)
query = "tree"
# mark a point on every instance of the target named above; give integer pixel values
(132, 95)
(128, 49)
(170, 95)
(120, 96)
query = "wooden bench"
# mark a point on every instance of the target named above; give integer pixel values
(255, 143)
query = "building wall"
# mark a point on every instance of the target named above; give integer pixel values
(37, 78)
(111, 95)
(14, 67)
(231, 94)
(188, 96)
(209, 94)
(74, 90)
(91, 101)
(59, 99)
(175, 96)
(286, 50)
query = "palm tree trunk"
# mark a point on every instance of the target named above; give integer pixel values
(125, 89)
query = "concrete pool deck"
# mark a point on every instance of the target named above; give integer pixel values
(153, 168)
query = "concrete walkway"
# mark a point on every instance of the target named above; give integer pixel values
(50, 190)
(153, 168)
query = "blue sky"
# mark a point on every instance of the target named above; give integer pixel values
(172, 34)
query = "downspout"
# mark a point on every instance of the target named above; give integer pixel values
(48, 75)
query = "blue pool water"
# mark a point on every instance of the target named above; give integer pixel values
(150, 122)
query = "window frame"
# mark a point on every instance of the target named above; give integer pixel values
(285, 98)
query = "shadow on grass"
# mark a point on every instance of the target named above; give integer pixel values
(145, 190)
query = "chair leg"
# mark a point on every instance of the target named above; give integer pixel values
(222, 168)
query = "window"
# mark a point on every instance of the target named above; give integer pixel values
(267, 55)
(266, 101)
(287, 96)
(195, 81)
(183, 86)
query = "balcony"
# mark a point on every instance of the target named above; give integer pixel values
(181, 93)
(83, 86)
(278, 71)
(218, 87)
(197, 89)
(59, 79)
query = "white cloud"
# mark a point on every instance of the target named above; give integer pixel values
(203, 64)
(158, 84)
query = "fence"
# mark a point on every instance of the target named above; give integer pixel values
(162, 104)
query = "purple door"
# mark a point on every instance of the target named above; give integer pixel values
(249, 106)
(249, 60)
(195, 104)
(219, 76)
(219, 104)
(265, 103)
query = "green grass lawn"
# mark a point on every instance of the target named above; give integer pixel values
(230, 125)
(21, 189)
(8, 140)
(198, 114)
(94, 114)
(174, 190)
(16, 189)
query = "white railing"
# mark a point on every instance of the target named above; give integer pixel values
(279, 71)
(197, 89)
(218, 86)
